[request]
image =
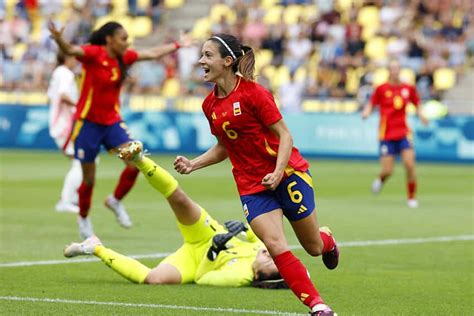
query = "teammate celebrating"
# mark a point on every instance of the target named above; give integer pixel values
(272, 177)
(210, 255)
(98, 122)
(62, 98)
(395, 137)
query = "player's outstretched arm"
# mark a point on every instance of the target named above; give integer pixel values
(185, 40)
(214, 155)
(367, 110)
(66, 48)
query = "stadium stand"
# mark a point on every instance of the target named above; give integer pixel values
(339, 49)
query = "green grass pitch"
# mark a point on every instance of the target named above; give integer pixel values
(431, 277)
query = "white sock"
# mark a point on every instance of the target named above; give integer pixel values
(72, 181)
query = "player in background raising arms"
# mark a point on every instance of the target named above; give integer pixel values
(395, 137)
(210, 255)
(98, 121)
(62, 98)
(272, 177)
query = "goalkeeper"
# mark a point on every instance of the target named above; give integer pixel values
(212, 254)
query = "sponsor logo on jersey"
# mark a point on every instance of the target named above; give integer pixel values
(213, 116)
(237, 110)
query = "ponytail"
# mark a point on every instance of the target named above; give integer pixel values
(246, 63)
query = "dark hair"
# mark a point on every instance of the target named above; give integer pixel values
(243, 56)
(98, 37)
(269, 281)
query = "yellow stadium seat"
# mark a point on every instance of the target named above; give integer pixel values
(311, 105)
(292, 13)
(282, 74)
(368, 16)
(220, 9)
(352, 81)
(202, 29)
(141, 26)
(408, 75)
(18, 50)
(375, 48)
(273, 15)
(350, 106)
(267, 4)
(263, 57)
(171, 88)
(301, 73)
(269, 71)
(173, 4)
(188, 104)
(120, 7)
(143, 4)
(444, 78)
(310, 12)
(380, 76)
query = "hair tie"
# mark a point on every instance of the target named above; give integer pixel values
(225, 45)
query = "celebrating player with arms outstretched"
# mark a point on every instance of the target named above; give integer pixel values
(98, 121)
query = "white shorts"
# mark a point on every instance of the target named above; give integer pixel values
(68, 150)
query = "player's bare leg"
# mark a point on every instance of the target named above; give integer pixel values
(317, 241)
(387, 163)
(408, 158)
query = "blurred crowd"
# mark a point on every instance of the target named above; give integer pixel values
(305, 48)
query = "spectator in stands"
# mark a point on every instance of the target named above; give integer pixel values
(290, 94)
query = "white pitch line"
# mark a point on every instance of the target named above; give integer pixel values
(159, 306)
(361, 243)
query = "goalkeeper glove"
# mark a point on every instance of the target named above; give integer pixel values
(235, 227)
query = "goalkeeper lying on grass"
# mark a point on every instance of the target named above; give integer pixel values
(211, 254)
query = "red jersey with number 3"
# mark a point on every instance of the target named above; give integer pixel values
(100, 85)
(393, 100)
(241, 121)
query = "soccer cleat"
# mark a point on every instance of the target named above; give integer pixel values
(119, 210)
(86, 247)
(412, 203)
(377, 186)
(85, 227)
(132, 152)
(67, 207)
(330, 258)
(322, 310)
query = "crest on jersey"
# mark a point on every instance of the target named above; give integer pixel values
(237, 110)
(405, 93)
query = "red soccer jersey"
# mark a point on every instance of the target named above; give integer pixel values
(393, 100)
(100, 88)
(241, 122)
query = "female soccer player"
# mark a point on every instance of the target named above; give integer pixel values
(203, 258)
(271, 175)
(395, 137)
(98, 122)
(62, 98)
